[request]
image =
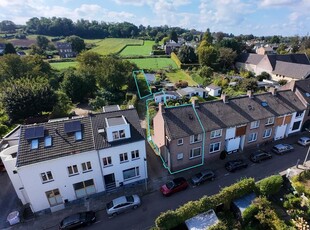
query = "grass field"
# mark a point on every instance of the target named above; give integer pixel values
(181, 75)
(114, 45)
(63, 65)
(154, 63)
(144, 50)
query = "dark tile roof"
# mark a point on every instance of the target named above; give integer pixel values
(131, 116)
(250, 58)
(298, 71)
(181, 121)
(63, 144)
(241, 110)
(304, 88)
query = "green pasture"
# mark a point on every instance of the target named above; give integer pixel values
(63, 65)
(114, 45)
(154, 63)
(143, 50)
(178, 75)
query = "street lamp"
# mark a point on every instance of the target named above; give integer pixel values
(145, 171)
(304, 164)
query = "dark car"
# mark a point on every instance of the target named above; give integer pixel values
(259, 156)
(78, 220)
(203, 176)
(173, 186)
(234, 165)
(282, 148)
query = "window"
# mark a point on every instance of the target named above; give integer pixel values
(195, 152)
(270, 121)
(86, 166)
(195, 138)
(180, 141)
(254, 124)
(180, 156)
(34, 144)
(267, 133)
(73, 170)
(84, 188)
(47, 177)
(118, 134)
(54, 197)
(123, 157)
(131, 173)
(78, 135)
(107, 161)
(299, 114)
(214, 147)
(216, 133)
(48, 141)
(296, 125)
(135, 154)
(252, 137)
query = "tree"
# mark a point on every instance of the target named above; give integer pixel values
(42, 42)
(226, 57)
(248, 84)
(207, 54)
(207, 36)
(275, 39)
(9, 49)
(7, 26)
(77, 43)
(173, 36)
(270, 185)
(27, 97)
(88, 60)
(187, 54)
(205, 72)
(263, 75)
(63, 105)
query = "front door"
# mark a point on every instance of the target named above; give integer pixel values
(109, 181)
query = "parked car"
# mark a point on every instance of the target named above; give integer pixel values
(122, 204)
(304, 141)
(78, 220)
(203, 176)
(259, 156)
(234, 165)
(280, 149)
(173, 186)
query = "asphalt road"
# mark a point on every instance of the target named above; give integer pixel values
(153, 204)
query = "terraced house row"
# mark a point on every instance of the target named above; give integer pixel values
(191, 135)
(53, 163)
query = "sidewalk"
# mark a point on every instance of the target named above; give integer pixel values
(157, 175)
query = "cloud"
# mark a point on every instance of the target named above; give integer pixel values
(276, 3)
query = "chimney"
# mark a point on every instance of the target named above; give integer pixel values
(273, 91)
(224, 97)
(195, 103)
(250, 93)
(161, 108)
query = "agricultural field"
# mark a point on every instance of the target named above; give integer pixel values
(154, 63)
(114, 45)
(138, 50)
(181, 75)
(63, 65)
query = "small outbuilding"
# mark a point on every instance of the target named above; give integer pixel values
(202, 221)
(239, 205)
(214, 90)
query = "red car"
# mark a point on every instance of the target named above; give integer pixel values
(173, 186)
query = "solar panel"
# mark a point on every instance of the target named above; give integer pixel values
(72, 126)
(34, 132)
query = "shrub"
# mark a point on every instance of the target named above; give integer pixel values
(249, 213)
(270, 185)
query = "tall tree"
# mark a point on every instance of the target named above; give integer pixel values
(187, 54)
(42, 42)
(9, 49)
(7, 26)
(207, 54)
(173, 36)
(226, 57)
(77, 43)
(207, 36)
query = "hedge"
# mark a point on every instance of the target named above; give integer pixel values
(270, 185)
(171, 219)
(175, 58)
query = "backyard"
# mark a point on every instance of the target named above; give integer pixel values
(180, 75)
(138, 50)
(154, 63)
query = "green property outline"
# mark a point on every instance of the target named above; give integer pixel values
(148, 85)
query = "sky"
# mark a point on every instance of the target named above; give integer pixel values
(257, 17)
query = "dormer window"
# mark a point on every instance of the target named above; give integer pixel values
(118, 134)
(34, 144)
(78, 135)
(48, 141)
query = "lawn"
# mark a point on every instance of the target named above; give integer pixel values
(181, 75)
(143, 50)
(114, 45)
(154, 63)
(63, 65)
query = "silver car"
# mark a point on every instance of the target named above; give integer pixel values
(122, 204)
(203, 176)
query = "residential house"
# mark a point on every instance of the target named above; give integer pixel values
(164, 96)
(286, 67)
(170, 46)
(214, 90)
(190, 135)
(192, 91)
(265, 50)
(65, 50)
(59, 161)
